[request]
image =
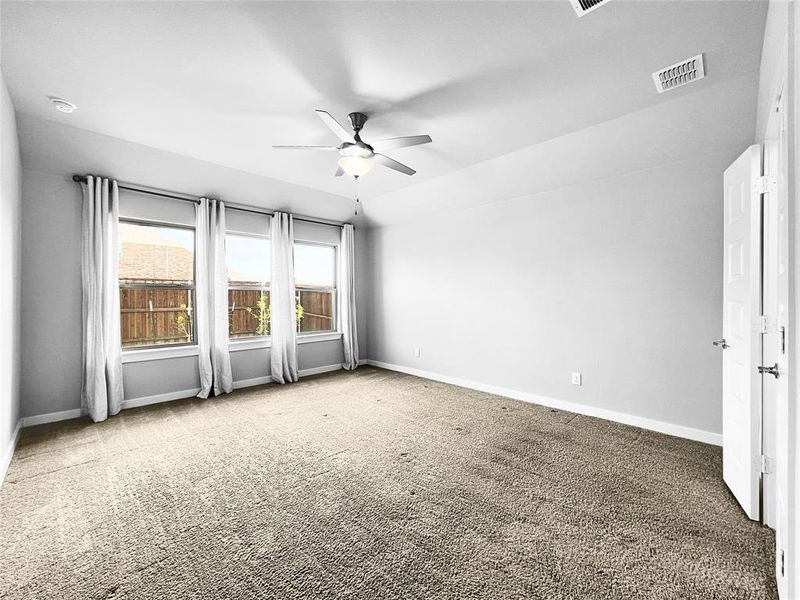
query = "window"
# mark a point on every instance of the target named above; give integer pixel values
(315, 286)
(156, 284)
(248, 285)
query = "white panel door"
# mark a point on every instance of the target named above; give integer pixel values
(741, 399)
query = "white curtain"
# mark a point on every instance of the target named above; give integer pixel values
(211, 301)
(347, 298)
(101, 386)
(283, 357)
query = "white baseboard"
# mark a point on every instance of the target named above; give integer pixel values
(318, 370)
(62, 415)
(301, 373)
(8, 453)
(251, 382)
(168, 397)
(681, 431)
(158, 398)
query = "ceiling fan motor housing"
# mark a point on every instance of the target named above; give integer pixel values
(357, 120)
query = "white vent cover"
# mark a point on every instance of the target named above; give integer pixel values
(679, 74)
(584, 6)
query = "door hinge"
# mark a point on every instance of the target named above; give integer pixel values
(766, 184)
(763, 325)
(783, 340)
(766, 464)
(783, 564)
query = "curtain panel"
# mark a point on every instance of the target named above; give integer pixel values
(211, 302)
(101, 381)
(347, 297)
(283, 355)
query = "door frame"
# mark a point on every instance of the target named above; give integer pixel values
(777, 396)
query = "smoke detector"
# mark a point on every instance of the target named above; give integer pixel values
(63, 105)
(584, 6)
(679, 74)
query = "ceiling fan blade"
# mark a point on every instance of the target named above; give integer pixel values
(339, 172)
(335, 127)
(392, 164)
(305, 147)
(401, 142)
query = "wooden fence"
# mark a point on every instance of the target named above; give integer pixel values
(249, 312)
(155, 316)
(158, 316)
(317, 311)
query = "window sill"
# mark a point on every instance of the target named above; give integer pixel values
(308, 338)
(236, 345)
(239, 344)
(258, 343)
(147, 354)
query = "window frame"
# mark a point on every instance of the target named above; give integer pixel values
(192, 287)
(332, 290)
(244, 339)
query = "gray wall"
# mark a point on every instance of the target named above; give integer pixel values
(619, 280)
(776, 47)
(598, 252)
(10, 199)
(51, 287)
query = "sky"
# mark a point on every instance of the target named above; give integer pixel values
(249, 260)
(314, 265)
(248, 257)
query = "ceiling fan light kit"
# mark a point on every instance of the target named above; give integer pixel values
(356, 157)
(356, 165)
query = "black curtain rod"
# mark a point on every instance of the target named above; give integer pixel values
(187, 198)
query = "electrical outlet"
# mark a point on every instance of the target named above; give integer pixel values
(417, 352)
(576, 379)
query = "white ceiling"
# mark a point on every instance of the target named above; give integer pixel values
(717, 121)
(222, 82)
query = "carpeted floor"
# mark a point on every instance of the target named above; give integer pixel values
(373, 485)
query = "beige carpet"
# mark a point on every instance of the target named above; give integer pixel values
(373, 485)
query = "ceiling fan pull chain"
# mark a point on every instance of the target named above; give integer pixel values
(356, 196)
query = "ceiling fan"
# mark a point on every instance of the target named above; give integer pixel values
(356, 157)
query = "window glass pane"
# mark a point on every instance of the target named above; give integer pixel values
(314, 266)
(154, 316)
(155, 254)
(248, 260)
(314, 311)
(249, 312)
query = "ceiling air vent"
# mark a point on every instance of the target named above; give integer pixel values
(679, 74)
(584, 6)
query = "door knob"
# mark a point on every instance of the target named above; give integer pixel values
(721, 343)
(773, 370)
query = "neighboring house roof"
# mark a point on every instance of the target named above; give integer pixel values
(155, 262)
(162, 260)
